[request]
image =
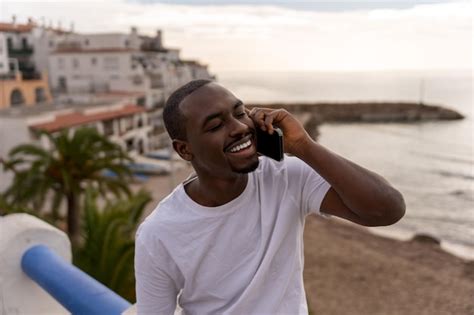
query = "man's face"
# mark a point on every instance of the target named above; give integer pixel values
(220, 135)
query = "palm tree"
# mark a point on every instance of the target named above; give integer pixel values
(108, 250)
(74, 161)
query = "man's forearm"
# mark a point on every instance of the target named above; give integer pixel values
(366, 194)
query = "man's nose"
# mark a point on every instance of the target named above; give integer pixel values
(238, 127)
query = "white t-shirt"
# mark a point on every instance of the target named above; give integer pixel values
(244, 257)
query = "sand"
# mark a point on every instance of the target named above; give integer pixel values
(351, 271)
(348, 270)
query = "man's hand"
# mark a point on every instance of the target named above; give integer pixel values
(295, 136)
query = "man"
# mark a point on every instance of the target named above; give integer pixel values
(229, 240)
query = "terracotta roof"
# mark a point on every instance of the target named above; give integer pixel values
(77, 119)
(18, 28)
(74, 50)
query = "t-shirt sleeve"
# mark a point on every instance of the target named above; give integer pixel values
(312, 187)
(156, 289)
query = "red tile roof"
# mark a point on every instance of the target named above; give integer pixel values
(25, 28)
(18, 28)
(77, 119)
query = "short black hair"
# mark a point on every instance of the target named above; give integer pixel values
(172, 115)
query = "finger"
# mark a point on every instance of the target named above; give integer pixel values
(258, 117)
(269, 122)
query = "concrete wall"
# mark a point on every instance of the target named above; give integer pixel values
(18, 293)
(13, 131)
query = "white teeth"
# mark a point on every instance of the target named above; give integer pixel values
(241, 146)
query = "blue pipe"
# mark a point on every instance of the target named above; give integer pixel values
(72, 288)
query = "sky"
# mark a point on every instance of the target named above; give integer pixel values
(266, 35)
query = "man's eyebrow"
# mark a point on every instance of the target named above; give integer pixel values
(238, 103)
(215, 115)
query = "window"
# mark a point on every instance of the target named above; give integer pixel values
(51, 43)
(75, 63)
(127, 43)
(93, 61)
(86, 42)
(141, 101)
(62, 84)
(111, 63)
(137, 80)
(108, 127)
(16, 98)
(129, 144)
(40, 95)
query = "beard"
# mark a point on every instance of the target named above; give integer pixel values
(247, 169)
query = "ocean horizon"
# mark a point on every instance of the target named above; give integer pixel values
(431, 163)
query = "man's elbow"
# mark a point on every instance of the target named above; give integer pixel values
(391, 212)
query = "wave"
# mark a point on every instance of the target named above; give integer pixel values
(462, 221)
(444, 158)
(454, 174)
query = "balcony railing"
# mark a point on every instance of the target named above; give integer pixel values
(71, 287)
(21, 52)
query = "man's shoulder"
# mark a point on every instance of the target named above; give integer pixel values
(168, 213)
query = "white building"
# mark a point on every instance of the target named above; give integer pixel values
(88, 63)
(30, 45)
(4, 64)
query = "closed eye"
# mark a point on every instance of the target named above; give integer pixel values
(215, 128)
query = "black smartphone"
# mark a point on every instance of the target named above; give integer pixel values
(270, 145)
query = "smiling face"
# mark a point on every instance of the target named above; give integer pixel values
(220, 136)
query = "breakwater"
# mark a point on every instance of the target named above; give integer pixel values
(369, 112)
(315, 114)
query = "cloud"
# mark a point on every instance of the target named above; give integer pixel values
(306, 5)
(262, 38)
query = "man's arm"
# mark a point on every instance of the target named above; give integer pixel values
(356, 194)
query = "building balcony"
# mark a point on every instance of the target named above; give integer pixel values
(24, 51)
(10, 76)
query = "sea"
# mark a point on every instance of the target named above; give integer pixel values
(431, 163)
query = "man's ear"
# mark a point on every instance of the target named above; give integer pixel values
(182, 148)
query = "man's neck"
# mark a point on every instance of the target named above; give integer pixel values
(214, 192)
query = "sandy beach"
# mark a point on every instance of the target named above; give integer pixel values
(348, 270)
(351, 271)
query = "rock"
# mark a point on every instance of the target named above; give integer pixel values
(426, 239)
